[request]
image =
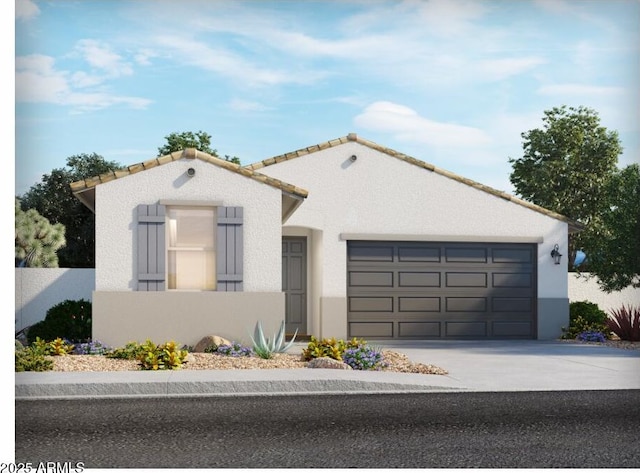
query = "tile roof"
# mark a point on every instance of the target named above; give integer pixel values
(352, 137)
(84, 190)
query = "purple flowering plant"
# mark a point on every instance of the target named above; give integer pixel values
(364, 357)
(591, 336)
(234, 349)
(92, 347)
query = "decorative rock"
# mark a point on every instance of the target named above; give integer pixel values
(329, 363)
(208, 341)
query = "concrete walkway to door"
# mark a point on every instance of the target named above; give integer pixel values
(488, 366)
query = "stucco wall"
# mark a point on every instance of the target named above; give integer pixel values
(39, 289)
(378, 194)
(116, 203)
(582, 289)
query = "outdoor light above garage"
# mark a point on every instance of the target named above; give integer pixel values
(555, 254)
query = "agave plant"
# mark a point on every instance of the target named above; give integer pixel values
(266, 347)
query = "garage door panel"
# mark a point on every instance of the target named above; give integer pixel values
(371, 329)
(466, 304)
(511, 329)
(466, 255)
(466, 329)
(420, 254)
(371, 304)
(512, 255)
(419, 329)
(418, 279)
(512, 304)
(466, 279)
(371, 279)
(512, 280)
(419, 304)
(371, 253)
(435, 289)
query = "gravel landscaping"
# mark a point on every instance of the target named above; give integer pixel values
(398, 362)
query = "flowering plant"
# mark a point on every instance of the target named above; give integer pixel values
(591, 336)
(92, 347)
(234, 349)
(364, 357)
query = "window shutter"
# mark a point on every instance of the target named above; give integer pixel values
(229, 249)
(151, 248)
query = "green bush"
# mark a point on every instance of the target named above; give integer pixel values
(32, 359)
(130, 351)
(329, 347)
(57, 347)
(70, 320)
(166, 356)
(585, 317)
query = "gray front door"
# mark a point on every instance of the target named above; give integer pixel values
(294, 283)
(441, 290)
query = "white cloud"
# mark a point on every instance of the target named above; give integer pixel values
(499, 69)
(247, 106)
(578, 90)
(101, 56)
(26, 9)
(37, 80)
(406, 124)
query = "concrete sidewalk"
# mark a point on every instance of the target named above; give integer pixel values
(488, 366)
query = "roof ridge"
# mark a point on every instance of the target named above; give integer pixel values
(353, 137)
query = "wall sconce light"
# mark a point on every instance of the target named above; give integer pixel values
(191, 172)
(555, 254)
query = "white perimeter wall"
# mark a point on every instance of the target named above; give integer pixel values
(39, 289)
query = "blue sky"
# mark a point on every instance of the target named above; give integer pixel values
(453, 83)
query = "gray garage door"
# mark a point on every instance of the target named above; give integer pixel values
(441, 290)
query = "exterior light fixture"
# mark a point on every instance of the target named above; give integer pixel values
(353, 157)
(191, 172)
(555, 254)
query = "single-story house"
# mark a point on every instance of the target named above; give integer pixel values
(343, 239)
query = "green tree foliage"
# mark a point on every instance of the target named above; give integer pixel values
(37, 240)
(570, 166)
(200, 140)
(53, 199)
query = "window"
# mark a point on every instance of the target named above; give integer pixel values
(191, 248)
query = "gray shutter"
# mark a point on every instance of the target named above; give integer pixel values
(151, 248)
(229, 249)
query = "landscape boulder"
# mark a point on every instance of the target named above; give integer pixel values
(209, 340)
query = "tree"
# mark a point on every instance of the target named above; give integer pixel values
(37, 240)
(570, 166)
(200, 140)
(53, 199)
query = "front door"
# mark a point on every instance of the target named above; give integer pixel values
(294, 283)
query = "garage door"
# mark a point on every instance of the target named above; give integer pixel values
(416, 290)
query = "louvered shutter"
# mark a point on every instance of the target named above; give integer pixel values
(151, 248)
(229, 249)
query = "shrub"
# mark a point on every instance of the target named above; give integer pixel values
(70, 320)
(129, 352)
(32, 359)
(591, 336)
(625, 323)
(329, 347)
(265, 347)
(234, 349)
(165, 356)
(364, 357)
(585, 317)
(213, 348)
(57, 347)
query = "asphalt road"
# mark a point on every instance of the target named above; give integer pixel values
(577, 429)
